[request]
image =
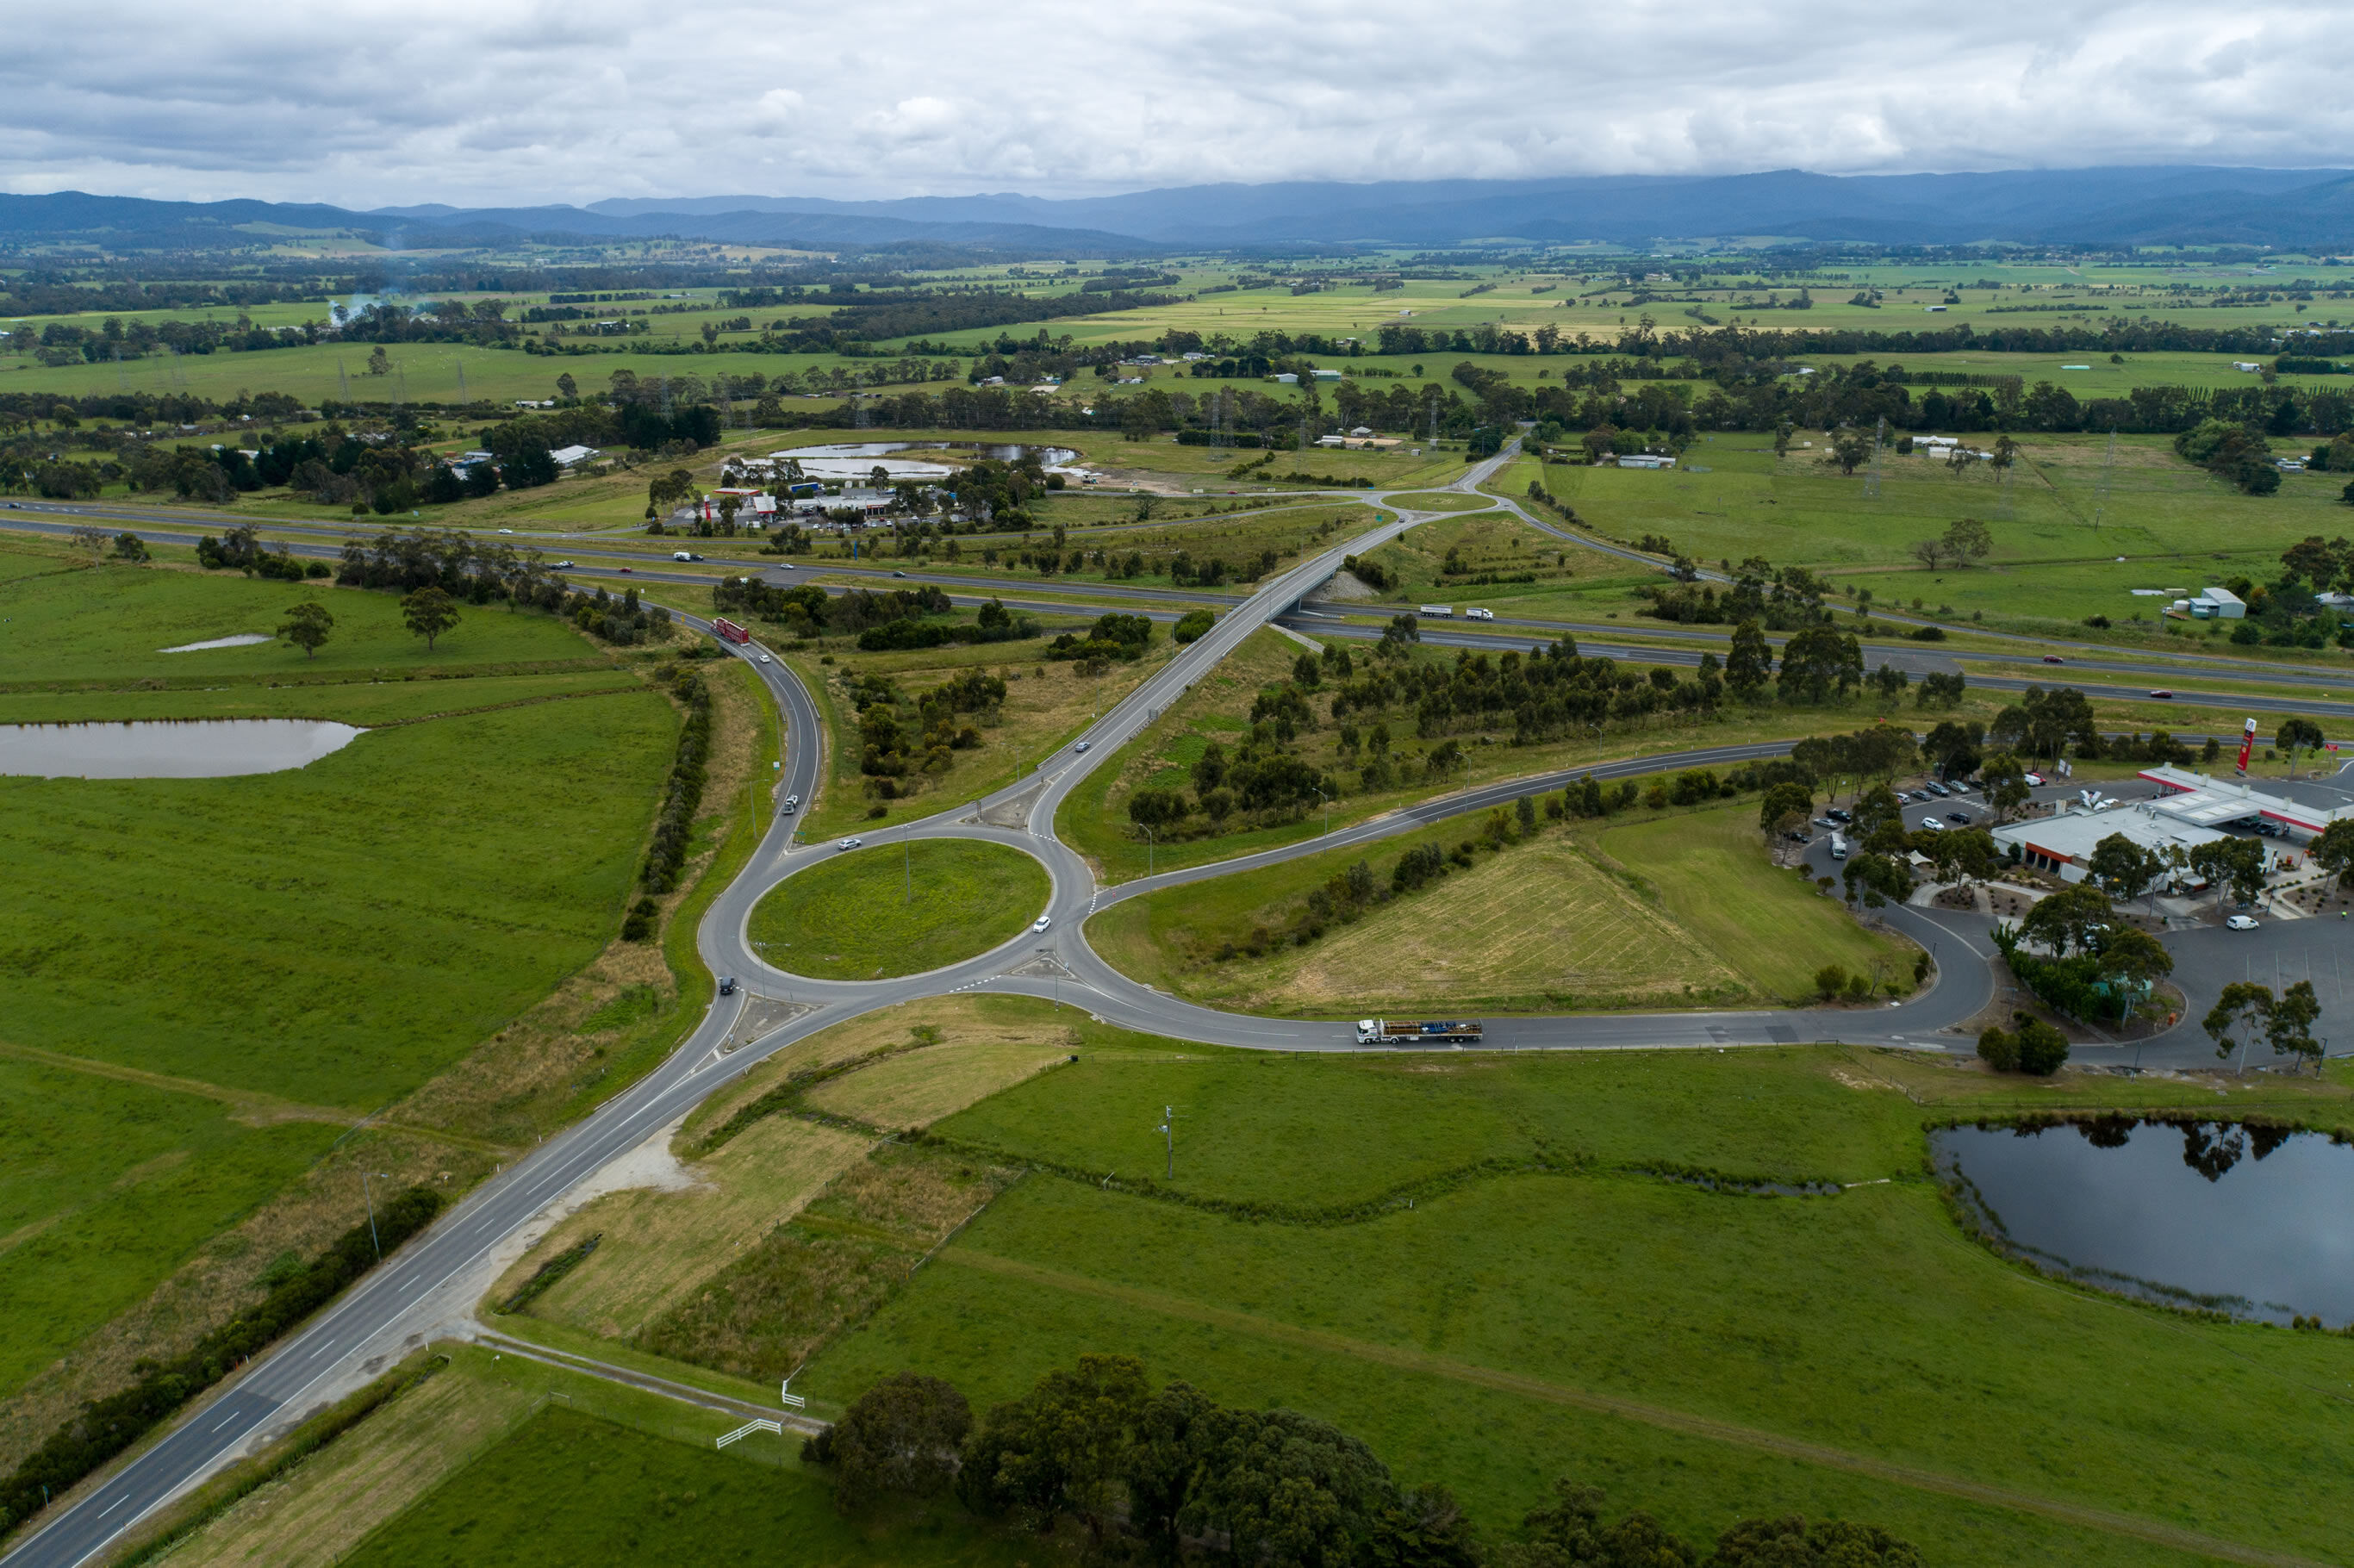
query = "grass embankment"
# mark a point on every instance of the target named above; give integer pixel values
(870, 914)
(1673, 910)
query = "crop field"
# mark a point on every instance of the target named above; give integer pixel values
(1678, 910)
(866, 914)
(1462, 1259)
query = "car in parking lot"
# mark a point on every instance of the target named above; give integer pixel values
(1839, 814)
(2241, 923)
(1931, 824)
(1041, 923)
(852, 843)
(1961, 817)
(1936, 788)
(2034, 780)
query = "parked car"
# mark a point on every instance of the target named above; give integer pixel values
(1839, 814)
(852, 843)
(1961, 817)
(1936, 788)
(2034, 780)
(1932, 825)
(2241, 923)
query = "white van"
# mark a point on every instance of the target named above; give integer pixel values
(1838, 847)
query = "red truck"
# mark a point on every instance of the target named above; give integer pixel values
(729, 631)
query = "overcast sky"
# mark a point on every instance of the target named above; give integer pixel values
(493, 101)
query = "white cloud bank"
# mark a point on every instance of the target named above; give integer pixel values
(363, 103)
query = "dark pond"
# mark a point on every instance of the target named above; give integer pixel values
(2253, 1221)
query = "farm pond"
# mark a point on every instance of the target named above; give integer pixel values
(168, 749)
(2255, 1221)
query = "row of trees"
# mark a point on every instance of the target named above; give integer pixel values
(1169, 1475)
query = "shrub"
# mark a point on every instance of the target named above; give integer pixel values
(1192, 625)
(1830, 980)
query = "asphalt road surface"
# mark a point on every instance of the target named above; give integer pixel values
(425, 1283)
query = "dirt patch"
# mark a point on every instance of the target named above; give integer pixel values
(1348, 587)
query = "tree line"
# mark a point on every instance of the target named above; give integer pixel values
(1168, 1475)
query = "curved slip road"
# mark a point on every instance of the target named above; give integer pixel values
(432, 1283)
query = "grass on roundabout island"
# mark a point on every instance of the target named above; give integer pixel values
(873, 915)
(1441, 501)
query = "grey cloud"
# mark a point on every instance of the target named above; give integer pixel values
(366, 103)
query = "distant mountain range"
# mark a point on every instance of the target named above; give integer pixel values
(2285, 208)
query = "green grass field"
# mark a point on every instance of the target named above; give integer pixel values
(568, 1489)
(1679, 910)
(1566, 1313)
(871, 913)
(208, 979)
(112, 622)
(107, 1185)
(1440, 500)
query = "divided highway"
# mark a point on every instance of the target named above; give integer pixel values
(429, 1285)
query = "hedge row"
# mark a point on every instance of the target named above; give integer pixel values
(673, 832)
(107, 1426)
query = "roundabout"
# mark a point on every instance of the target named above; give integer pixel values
(869, 914)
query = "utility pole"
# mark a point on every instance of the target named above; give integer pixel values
(370, 1197)
(1149, 845)
(1871, 479)
(1168, 1131)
